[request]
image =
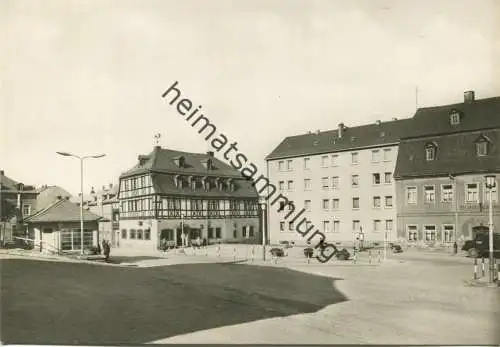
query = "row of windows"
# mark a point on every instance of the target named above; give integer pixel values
(334, 226)
(334, 182)
(334, 160)
(447, 193)
(482, 148)
(429, 233)
(136, 182)
(136, 234)
(335, 203)
(173, 204)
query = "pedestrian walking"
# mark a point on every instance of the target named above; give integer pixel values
(107, 249)
(455, 247)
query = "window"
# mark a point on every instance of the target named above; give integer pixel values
(471, 193)
(388, 201)
(447, 193)
(430, 152)
(387, 177)
(289, 165)
(336, 226)
(235, 233)
(251, 233)
(324, 183)
(326, 204)
(326, 226)
(354, 158)
(281, 185)
(335, 204)
(430, 233)
(387, 154)
(124, 233)
(26, 210)
(429, 194)
(411, 195)
(290, 226)
(139, 234)
(355, 225)
(290, 185)
(376, 178)
(306, 163)
(376, 202)
(217, 233)
(335, 182)
(281, 165)
(375, 156)
(494, 195)
(147, 234)
(132, 234)
(376, 225)
(282, 226)
(335, 160)
(324, 161)
(355, 180)
(412, 233)
(244, 231)
(210, 233)
(388, 225)
(307, 205)
(355, 203)
(448, 232)
(307, 184)
(454, 118)
(482, 148)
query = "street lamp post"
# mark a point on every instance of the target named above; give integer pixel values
(263, 212)
(66, 154)
(490, 184)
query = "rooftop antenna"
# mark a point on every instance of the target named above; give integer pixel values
(157, 139)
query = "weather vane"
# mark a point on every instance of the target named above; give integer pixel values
(157, 139)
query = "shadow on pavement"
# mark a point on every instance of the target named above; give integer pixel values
(68, 303)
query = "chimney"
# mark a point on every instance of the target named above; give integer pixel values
(469, 96)
(341, 130)
(378, 122)
(210, 154)
(142, 159)
(66, 198)
(394, 118)
(92, 191)
(2, 173)
(110, 185)
(59, 197)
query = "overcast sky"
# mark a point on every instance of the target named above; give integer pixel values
(87, 76)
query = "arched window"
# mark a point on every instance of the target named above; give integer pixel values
(430, 151)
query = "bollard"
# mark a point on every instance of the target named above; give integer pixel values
(475, 269)
(218, 251)
(253, 253)
(206, 251)
(275, 260)
(354, 258)
(379, 257)
(498, 272)
(369, 257)
(482, 267)
(234, 253)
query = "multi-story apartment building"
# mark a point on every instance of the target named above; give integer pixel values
(105, 203)
(17, 201)
(440, 172)
(177, 197)
(343, 178)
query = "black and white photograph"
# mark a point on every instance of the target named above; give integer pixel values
(274, 172)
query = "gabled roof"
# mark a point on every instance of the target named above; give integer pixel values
(163, 160)
(455, 154)
(8, 184)
(165, 184)
(61, 211)
(369, 135)
(47, 195)
(474, 115)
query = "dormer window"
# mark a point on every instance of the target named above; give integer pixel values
(454, 118)
(430, 151)
(482, 146)
(207, 164)
(179, 161)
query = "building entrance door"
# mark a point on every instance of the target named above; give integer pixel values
(179, 237)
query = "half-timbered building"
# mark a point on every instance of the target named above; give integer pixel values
(177, 197)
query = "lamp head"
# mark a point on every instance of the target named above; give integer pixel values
(65, 154)
(490, 181)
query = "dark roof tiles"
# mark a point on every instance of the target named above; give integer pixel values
(61, 211)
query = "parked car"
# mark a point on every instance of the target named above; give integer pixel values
(395, 248)
(479, 246)
(343, 254)
(277, 252)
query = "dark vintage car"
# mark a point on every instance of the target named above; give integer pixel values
(277, 252)
(395, 248)
(478, 247)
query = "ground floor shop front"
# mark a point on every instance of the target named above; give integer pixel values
(154, 234)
